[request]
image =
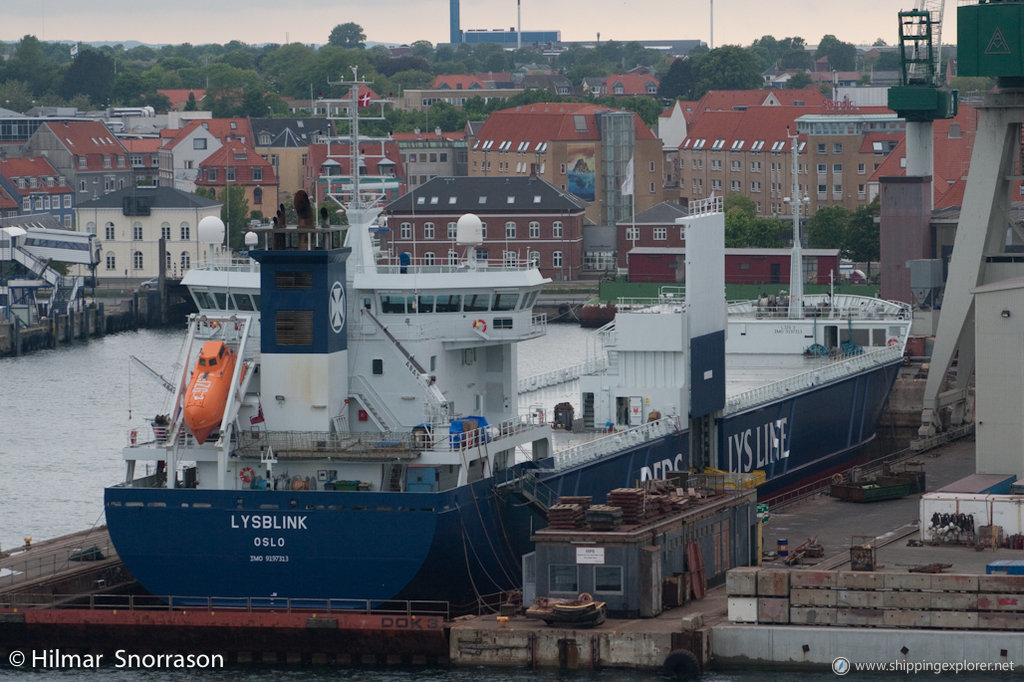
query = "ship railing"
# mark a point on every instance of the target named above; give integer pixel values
(822, 306)
(815, 377)
(328, 444)
(147, 602)
(229, 265)
(615, 442)
(563, 375)
(425, 266)
(444, 439)
(41, 562)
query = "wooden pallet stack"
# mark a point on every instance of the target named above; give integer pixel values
(603, 517)
(632, 503)
(565, 516)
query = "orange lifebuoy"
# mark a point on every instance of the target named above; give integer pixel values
(133, 435)
(480, 326)
(893, 342)
(247, 474)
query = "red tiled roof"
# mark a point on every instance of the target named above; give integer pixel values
(867, 145)
(224, 129)
(35, 167)
(86, 137)
(632, 83)
(405, 137)
(179, 97)
(546, 122)
(143, 145)
(317, 155)
(727, 100)
(768, 125)
(952, 146)
(241, 157)
(458, 81)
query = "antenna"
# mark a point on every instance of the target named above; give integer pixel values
(519, 25)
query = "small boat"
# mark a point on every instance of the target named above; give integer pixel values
(208, 389)
(890, 485)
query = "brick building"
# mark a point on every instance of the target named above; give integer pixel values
(524, 218)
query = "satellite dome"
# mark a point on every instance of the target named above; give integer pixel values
(211, 230)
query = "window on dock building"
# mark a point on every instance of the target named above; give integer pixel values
(563, 578)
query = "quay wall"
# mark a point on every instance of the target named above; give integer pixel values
(93, 320)
(479, 642)
(786, 618)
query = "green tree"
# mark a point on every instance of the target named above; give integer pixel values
(235, 214)
(863, 242)
(728, 68)
(841, 56)
(799, 80)
(794, 54)
(92, 75)
(828, 227)
(349, 34)
(768, 51)
(191, 104)
(679, 81)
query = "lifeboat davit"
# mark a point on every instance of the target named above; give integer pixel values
(208, 389)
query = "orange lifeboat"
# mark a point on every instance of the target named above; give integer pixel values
(207, 392)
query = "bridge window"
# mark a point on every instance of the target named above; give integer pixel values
(111, 261)
(477, 303)
(137, 260)
(392, 304)
(505, 301)
(448, 303)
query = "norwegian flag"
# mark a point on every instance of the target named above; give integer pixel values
(258, 418)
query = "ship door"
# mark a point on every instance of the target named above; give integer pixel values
(636, 410)
(831, 336)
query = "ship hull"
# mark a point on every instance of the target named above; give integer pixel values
(455, 545)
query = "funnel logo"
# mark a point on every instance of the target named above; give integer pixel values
(997, 43)
(337, 307)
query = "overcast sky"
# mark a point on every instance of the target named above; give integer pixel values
(737, 22)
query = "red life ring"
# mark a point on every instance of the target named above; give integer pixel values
(893, 342)
(480, 326)
(247, 474)
(133, 436)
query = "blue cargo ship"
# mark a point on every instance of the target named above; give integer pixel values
(369, 445)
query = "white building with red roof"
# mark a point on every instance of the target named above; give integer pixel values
(86, 153)
(183, 149)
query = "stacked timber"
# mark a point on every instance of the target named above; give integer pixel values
(604, 517)
(631, 502)
(565, 516)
